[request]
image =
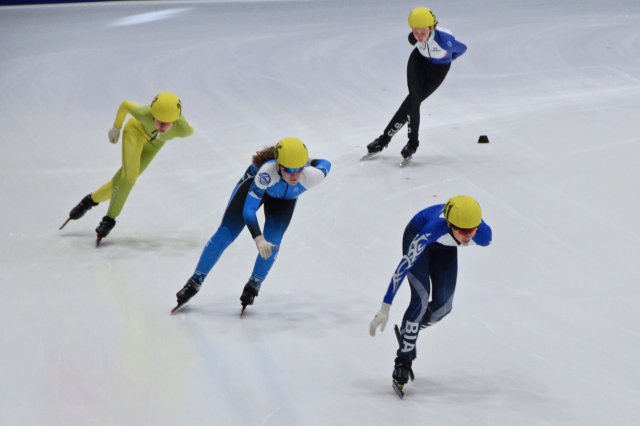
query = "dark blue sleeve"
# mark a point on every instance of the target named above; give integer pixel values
(483, 236)
(409, 258)
(458, 49)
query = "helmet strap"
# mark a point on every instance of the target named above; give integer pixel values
(451, 233)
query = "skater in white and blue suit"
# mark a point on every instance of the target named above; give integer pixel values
(276, 178)
(430, 260)
(429, 63)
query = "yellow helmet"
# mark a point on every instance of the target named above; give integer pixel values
(166, 107)
(462, 211)
(291, 153)
(421, 17)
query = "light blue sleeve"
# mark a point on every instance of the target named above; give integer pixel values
(322, 165)
(250, 210)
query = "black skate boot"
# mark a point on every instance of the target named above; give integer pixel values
(409, 149)
(186, 293)
(78, 211)
(378, 145)
(402, 372)
(106, 225)
(249, 293)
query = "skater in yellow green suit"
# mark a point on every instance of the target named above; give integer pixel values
(145, 133)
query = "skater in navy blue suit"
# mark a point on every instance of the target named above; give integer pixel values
(276, 178)
(429, 63)
(430, 260)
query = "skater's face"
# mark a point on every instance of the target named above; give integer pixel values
(162, 126)
(422, 34)
(291, 176)
(463, 236)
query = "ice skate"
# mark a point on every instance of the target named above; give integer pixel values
(103, 229)
(368, 155)
(375, 147)
(407, 152)
(402, 373)
(78, 211)
(405, 162)
(189, 290)
(249, 293)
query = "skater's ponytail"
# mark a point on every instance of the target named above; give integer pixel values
(264, 155)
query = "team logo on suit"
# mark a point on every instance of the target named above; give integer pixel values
(264, 179)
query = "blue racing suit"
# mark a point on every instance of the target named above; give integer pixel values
(430, 260)
(259, 186)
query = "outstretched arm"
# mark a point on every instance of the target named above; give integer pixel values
(417, 246)
(125, 107)
(409, 258)
(250, 211)
(251, 205)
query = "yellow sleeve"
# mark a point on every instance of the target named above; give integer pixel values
(183, 128)
(189, 131)
(126, 107)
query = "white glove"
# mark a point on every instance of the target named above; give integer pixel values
(114, 135)
(380, 319)
(265, 248)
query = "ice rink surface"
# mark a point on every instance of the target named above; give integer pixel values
(544, 329)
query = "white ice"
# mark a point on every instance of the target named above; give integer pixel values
(545, 328)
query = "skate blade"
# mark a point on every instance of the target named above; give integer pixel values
(369, 155)
(178, 307)
(242, 310)
(397, 387)
(65, 222)
(405, 162)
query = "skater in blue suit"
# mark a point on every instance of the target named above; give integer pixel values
(430, 260)
(276, 178)
(429, 63)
